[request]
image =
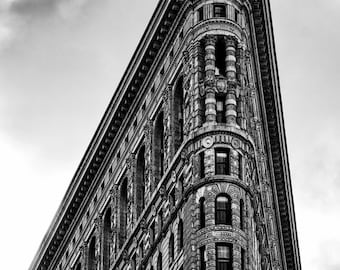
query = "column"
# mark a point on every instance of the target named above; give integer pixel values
(231, 77)
(131, 176)
(149, 185)
(168, 142)
(198, 84)
(84, 251)
(210, 99)
(241, 74)
(114, 193)
(99, 236)
(114, 216)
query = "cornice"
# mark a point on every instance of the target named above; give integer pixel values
(275, 131)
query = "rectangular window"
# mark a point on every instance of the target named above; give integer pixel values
(243, 259)
(240, 166)
(202, 167)
(173, 199)
(152, 233)
(202, 258)
(223, 257)
(219, 11)
(237, 15)
(222, 161)
(200, 14)
(220, 110)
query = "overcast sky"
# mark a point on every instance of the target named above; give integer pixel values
(60, 62)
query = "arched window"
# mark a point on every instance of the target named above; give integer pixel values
(107, 240)
(159, 261)
(223, 210)
(171, 248)
(123, 212)
(178, 114)
(202, 212)
(180, 235)
(241, 214)
(223, 256)
(140, 181)
(92, 254)
(159, 147)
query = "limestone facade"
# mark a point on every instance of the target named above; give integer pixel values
(187, 183)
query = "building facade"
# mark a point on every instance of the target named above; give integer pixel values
(188, 168)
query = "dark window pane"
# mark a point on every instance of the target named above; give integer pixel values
(219, 11)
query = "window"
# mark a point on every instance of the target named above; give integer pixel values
(221, 56)
(92, 254)
(181, 185)
(159, 147)
(160, 222)
(203, 262)
(243, 259)
(173, 199)
(237, 15)
(223, 210)
(140, 181)
(220, 110)
(171, 248)
(178, 109)
(107, 240)
(219, 11)
(133, 262)
(222, 161)
(240, 166)
(241, 214)
(223, 257)
(123, 212)
(159, 262)
(202, 212)
(200, 14)
(152, 233)
(180, 235)
(202, 167)
(141, 251)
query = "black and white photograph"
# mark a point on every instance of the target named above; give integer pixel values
(169, 134)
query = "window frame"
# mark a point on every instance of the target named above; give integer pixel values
(224, 263)
(220, 13)
(223, 215)
(226, 164)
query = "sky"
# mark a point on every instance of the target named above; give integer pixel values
(60, 62)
